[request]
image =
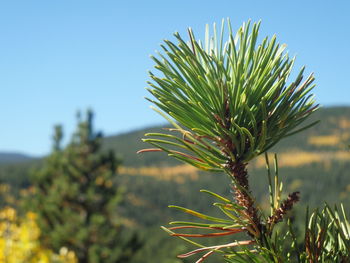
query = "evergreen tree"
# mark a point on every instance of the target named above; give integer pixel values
(76, 197)
(229, 102)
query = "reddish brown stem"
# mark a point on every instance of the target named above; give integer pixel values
(242, 194)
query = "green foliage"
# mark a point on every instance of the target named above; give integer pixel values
(232, 97)
(326, 232)
(76, 196)
(231, 102)
(327, 236)
(235, 221)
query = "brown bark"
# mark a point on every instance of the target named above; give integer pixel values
(242, 193)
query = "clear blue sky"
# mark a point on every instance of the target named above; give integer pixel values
(60, 56)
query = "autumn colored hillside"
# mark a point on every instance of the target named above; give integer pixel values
(324, 143)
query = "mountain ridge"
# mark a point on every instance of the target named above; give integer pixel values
(331, 133)
(15, 157)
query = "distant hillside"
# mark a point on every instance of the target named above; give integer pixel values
(315, 162)
(323, 143)
(331, 134)
(127, 144)
(10, 157)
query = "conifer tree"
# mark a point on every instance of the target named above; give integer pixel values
(76, 197)
(229, 101)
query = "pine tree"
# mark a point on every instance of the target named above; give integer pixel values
(76, 195)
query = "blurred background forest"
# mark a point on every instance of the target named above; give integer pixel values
(315, 162)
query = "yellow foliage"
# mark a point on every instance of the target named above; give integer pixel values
(344, 123)
(293, 158)
(174, 173)
(19, 241)
(300, 158)
(99, 180)
(327, 140)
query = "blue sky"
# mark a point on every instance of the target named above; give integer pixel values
(57, 57)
